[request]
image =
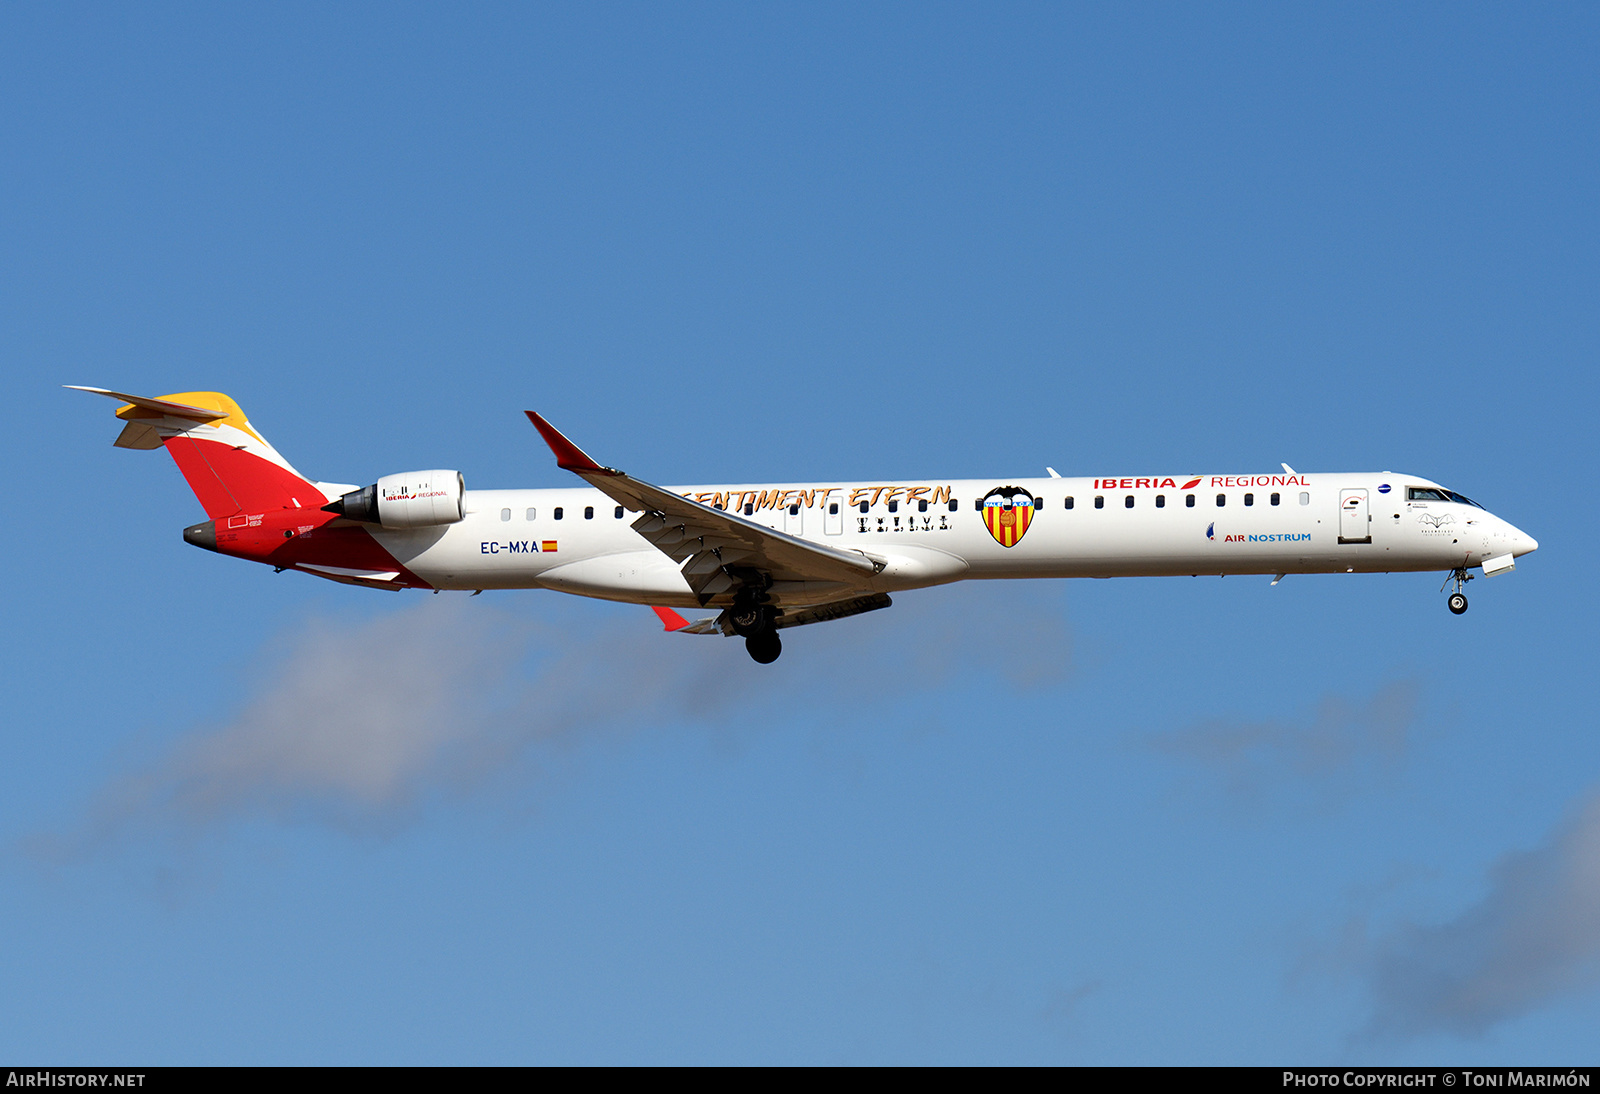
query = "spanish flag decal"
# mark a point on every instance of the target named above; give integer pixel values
(1007, 512)
(547, 545)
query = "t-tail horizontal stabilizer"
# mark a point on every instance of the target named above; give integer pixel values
(141, 435)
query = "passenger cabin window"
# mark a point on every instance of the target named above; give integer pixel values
(1305, 499)
(953, 504)
(558, 513)
(1127, 502)
(1188, 500)
(833, 508)
(533, 514)
(588, 512)
(505, 514)
(1099, 501)
(1222, 499)
(618, 513)
(863, 507)
(922, 505)
(1069, 501)
(894, 507)
(1249, 499)
(750, 509)
(794, 510)
(1275, 498)
(1161, 501)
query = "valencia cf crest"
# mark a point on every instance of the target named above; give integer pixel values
(1007, 512)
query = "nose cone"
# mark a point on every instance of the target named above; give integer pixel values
(1521, 542)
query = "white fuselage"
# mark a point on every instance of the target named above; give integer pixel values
(933, 532)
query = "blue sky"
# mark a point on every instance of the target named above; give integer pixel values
(260, 818)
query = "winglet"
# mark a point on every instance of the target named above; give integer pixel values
(569, 457)
(669, 618)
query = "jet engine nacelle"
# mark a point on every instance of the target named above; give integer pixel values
(411, 499)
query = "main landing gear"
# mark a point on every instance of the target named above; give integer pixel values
(754, 623)
(764, 648)
(1458, 600)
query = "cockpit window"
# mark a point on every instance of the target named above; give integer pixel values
(1434, 493)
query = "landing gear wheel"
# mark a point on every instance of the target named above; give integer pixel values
(1458, 601)
(764, 648)
(748, 621)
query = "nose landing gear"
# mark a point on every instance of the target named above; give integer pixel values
(1457, 601)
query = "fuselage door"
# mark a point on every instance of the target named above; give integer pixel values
(1355, 523)
(833, 513)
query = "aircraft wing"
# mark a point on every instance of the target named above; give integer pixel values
(713, 545)
(815, 613)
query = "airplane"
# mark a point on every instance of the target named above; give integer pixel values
(774, 556)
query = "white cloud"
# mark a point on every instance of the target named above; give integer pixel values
(1532, 939)
(1340, 741)
(358, 723)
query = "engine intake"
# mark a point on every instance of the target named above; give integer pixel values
(411, 499)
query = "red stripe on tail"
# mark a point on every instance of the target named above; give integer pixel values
(228, 480)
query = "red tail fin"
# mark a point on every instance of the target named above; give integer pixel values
(229, 466)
